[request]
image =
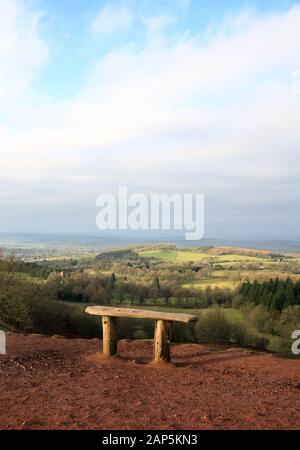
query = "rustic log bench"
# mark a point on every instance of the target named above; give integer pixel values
(163, 328)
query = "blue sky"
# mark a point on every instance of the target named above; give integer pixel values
(163, 96)
(67, 28)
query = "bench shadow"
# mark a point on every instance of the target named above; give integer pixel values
(141, 360)
(214, 359)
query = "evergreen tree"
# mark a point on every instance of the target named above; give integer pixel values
(112, 281)
(156, 284)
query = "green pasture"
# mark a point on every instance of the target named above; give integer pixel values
(212, 282)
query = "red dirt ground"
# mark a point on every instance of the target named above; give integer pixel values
(55, 383)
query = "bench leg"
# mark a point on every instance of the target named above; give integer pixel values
(162, 341)
(110, 336)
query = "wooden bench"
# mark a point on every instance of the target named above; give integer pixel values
(163, 328)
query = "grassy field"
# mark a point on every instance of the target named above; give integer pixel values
(240, 258)
(174, 256)
(27, 277)
(183, 256)
(211, 282)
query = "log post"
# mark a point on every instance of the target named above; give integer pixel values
(162, 341)
(110, 336)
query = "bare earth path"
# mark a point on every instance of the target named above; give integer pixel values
(56, 383)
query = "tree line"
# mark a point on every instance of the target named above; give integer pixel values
(15, 265)
(274, 294)
(111, 289)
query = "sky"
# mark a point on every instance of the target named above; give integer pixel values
(168, 96)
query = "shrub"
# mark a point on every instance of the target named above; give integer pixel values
(213, 328)
(259, 342)
(289, 321)
(183, 332)
(239, 334)
(266, 321)
(283, 346)
(54, 317)
(135, 328)
(18, 300)
(237, 301)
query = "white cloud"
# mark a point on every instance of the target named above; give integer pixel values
(112, 19)
(215, 116)
(23, 53)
